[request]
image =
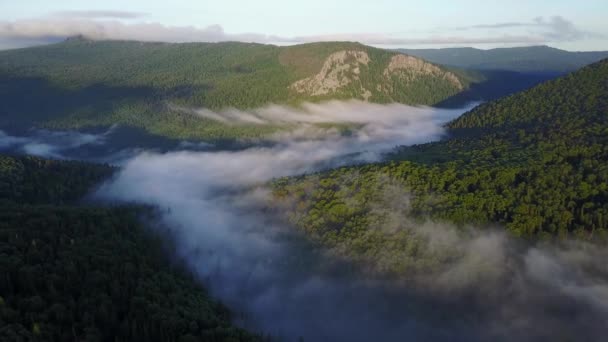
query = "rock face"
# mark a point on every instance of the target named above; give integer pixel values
(410, 67)
(339, 70)
(342, 71)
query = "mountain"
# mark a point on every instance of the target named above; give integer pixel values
(490, 85)
(69, 271)
(80, 82)
(533, 59)
(535, 163)
(504, 71)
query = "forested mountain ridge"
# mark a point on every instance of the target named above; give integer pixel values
(535, 163)
(581, 94)
(82, 82)
(536, 59)
(73, 272)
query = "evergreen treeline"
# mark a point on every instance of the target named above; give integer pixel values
(535, 163)
(33, 180)
(71, 272)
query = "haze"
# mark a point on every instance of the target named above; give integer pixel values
(403, 23)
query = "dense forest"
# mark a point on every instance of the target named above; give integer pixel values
(535, 162)
(80, 83)
(76, 272)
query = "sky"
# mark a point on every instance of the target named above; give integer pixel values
(567, 24)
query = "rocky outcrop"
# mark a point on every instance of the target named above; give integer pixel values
(342, 70)
(409, 67)
(339, 70)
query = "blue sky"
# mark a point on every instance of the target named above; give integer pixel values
(568, 24)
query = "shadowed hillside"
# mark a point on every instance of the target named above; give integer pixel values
(73, 272)
(533, 59)
(81, 83)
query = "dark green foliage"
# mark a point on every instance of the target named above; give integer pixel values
(85, 273)
(571, 100)
(42, 181)
(81, 83)
(95, 275)
(535, 162)
(490, 85)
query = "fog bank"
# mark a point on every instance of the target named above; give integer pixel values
(214, 205)
(114, 145)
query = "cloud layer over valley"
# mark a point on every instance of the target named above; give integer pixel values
(214, 206)
(49, 144)
(223, 223)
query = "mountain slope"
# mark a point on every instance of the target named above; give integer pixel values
(86, 83)
(73, 272)
(578, 97)
(537, 59)
(535, 162)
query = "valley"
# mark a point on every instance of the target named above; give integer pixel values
(328, 191)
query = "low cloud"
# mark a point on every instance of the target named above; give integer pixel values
(553, 29)
(114, 145)
(211, 203)
(350, 111)
(49, 144)
(378, 127)
(99, 14)
(8, 141)
(120, 25)
(53, 29)
(214, 205)
(494, 26)
(383, 39)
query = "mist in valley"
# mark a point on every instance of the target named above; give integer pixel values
(215, 207)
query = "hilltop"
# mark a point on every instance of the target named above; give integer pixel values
(80, 82)
(534, 162)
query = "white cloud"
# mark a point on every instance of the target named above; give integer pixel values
(553, 29)
(119, 25)
(50, 144)
(53, 28)
(99, 14)
(214, 206)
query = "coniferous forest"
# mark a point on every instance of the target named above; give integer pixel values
(73, 271)
(156, 191)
